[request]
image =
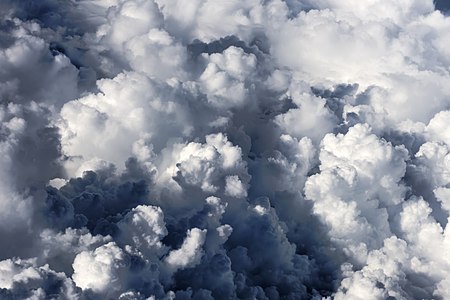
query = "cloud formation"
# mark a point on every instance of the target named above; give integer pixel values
(164, 149)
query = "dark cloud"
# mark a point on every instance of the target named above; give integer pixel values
(442, 5)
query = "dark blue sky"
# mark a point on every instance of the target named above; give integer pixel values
(443, 5)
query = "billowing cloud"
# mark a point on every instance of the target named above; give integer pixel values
(166, 149)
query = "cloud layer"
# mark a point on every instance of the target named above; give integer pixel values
(164, 149)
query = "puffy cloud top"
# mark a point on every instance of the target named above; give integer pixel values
(167, 149)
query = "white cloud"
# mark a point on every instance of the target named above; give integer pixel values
(143, 227)
(22, 278)
(97, 269)
(359, 180)
(190, 252)
(224, 149)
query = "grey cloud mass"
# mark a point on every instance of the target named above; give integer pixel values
(206, 149)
